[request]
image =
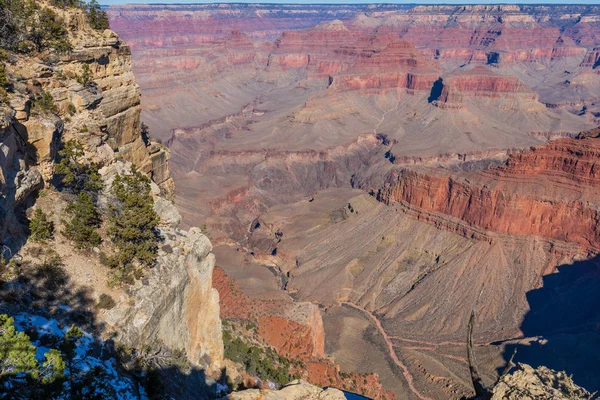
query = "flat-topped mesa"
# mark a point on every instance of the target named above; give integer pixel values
(479, 82)
(549, 192)
(397, 65)
(297, 49)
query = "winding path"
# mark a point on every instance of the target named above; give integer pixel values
(392, 352)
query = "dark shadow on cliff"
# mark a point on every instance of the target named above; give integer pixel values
(43, 287)
(436, 90)
(176, 383)
(565, 316)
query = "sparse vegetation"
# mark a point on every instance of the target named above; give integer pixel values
(96, 17)
(71, 109)
(40, 227)
(44, 103)
(86, 77)
(26, 26)
(75, 171)
(266, 364)
(132, 224)
(106, 302)
(82, 227)
(3, 76)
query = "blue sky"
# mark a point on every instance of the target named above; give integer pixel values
(108, 2)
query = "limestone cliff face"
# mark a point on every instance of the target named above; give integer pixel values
(175, 305)
(294, 391)
(18, 179)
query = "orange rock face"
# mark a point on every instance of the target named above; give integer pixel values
(290, 338)
(293, 339)
(547, 192)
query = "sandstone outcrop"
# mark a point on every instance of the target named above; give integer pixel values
(175, 305)
(530, 383)
(297, 390)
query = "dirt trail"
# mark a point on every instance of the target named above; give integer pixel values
(392, 352)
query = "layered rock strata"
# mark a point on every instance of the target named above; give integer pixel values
(547, 192)
(96, 101)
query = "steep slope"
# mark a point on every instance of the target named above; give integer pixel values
(549, 192)
(88, 94)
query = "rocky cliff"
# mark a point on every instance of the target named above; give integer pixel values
(524, 383)
(546, 192)
(89, 94)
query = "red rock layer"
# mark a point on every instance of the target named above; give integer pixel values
(293, 340)
(397, 65)
(551, 192)
(289, 337)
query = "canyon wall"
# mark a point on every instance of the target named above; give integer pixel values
(176, 305)
(547, 192)
(286, 128)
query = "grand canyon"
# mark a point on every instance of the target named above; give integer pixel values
(370, 174)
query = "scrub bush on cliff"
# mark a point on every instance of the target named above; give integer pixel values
(75, 172)
(40, 227)
(82, 227)
(132, 223)
(27, 26)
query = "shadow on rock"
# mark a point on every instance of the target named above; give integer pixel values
(565, 317)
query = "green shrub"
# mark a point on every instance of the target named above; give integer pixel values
(27, 26)
(96, 17)
(132, 219)
(45, 103)
(106, 302)
(267, 365)
(75, 172)
(3, 76)
(47, 31)
(3, 96)
(40, 227)
(71, 109)
(86, 76)
(82, 227)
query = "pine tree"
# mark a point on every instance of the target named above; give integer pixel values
(75, 172)
(96, 17)
(17, 354)
(82, 227)
(133, 221)
(40, 227)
